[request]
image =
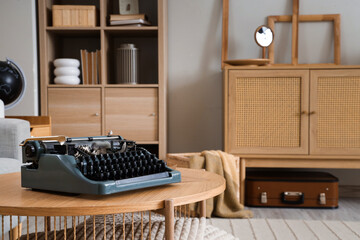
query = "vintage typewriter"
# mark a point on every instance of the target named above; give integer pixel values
(91, 165)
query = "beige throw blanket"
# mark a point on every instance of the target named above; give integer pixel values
(227, 203)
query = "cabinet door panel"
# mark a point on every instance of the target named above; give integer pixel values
(75, 112)
(335, 108)
(265, 111)
(132, 113)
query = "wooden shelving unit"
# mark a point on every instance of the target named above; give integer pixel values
(86, 110)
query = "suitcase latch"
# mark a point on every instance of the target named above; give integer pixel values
(263, 197)
(322, 199)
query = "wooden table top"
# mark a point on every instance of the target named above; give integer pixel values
(195, 185)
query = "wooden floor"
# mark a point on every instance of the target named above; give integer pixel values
(349, 210)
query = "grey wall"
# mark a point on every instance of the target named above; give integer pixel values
(195, 78)
(18, 42)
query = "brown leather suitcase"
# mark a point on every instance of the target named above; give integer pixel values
(291, 189)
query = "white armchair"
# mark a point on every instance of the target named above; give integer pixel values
(2, 109)
(12, 133)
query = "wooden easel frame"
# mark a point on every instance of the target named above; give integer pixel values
(335, 18)
(225, 33)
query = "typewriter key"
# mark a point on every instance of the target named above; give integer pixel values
(130, 172)
(125, 173)
(115, 161)
(107, 176)
(120, 174)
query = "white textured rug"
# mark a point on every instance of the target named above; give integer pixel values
(281, 229)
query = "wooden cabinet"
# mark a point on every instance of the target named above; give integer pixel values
(293, 111)
(132, 113)
(136, 112)
(75, 112)
(305, 116)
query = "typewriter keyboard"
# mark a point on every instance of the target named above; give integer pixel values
(121, 166)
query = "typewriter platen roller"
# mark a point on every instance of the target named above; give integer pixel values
(91, 165)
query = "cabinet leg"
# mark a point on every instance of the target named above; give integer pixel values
(242, 180)
(169, 219)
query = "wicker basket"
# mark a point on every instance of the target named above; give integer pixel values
(74, 16)
(182, 160)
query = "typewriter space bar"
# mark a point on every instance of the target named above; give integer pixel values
(142, 178)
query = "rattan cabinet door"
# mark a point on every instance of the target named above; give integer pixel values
(335, 112)
(268, 111)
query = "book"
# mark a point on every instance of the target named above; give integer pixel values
(94, 68)
(98, 55)
(91, 67)
(130, 21)
(83, 65)
(120, 17)
(89, 64)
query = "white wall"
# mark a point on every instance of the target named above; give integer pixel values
(18, 43)
(195, 78)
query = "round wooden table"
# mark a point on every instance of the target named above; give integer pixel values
(195, 186)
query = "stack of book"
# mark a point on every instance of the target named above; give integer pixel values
(90, 67)
(129, 20)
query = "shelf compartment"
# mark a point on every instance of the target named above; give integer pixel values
(50, 3)
(149, 7)
(63, 45)
(148, 56)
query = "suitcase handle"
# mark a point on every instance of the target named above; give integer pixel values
(300, 196)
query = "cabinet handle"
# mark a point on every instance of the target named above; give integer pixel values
(153, 114)
(312, 112)
(96, 114)
(304, 112)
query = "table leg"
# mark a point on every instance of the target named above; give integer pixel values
(203, 208)
(242, 180)
(169, 219)
(48, 219)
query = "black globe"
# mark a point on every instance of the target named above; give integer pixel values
(11, 82)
